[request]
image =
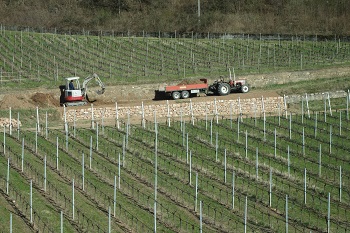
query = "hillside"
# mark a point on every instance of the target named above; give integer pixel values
(292, 17)
(32, 60)
(279, 172)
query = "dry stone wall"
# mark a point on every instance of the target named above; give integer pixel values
(235, 107)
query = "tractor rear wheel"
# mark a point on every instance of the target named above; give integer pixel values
(185, 94)
(224, 89)
(176, 95)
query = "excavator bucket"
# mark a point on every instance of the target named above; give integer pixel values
(100, 92)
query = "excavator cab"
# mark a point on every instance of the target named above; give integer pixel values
(73, 94)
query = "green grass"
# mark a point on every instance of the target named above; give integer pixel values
(18, 224)
(44, 214)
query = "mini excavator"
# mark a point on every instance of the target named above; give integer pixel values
(75, 94)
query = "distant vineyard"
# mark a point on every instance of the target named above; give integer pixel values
(283, 173)
(48, 57)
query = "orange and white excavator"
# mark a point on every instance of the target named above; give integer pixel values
(74, 94)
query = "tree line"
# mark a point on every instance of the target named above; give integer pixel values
(321, 17)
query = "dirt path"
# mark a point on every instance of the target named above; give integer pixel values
(135, 94)
(50, 98)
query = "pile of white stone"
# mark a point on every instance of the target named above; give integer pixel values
(7, 122)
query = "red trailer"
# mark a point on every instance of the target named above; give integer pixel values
(184, 90)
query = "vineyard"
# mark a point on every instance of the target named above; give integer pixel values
(33, 59)
(280, 173)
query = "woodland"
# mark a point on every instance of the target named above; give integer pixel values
(307, 17)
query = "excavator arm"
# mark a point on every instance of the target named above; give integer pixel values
(86, 82)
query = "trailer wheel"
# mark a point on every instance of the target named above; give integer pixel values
(185, 94)
(176, 95)
(244, 89)
(224, 89)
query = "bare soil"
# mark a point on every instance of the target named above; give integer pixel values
(125, 95)
(135, 94)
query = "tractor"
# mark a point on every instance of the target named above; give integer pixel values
(222, 87)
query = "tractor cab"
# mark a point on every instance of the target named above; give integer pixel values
(73, 90)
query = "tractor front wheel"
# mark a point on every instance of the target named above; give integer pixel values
(224, 89)
(244, 89)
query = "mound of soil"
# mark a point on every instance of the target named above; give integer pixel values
(15, 102)
(27, 101)
(44, 100)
